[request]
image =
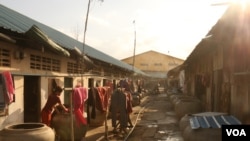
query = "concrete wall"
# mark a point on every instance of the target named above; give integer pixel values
(20, 68)
(15, 109)
(154, 61)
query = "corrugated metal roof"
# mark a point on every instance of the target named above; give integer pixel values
(212, 120)
(10, 19)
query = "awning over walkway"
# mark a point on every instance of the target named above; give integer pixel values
(6, 38)
(36, 34)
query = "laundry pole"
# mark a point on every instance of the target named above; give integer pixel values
(106, 116)
(71, 118)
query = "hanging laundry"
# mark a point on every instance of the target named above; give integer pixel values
(109, 90)
(8, 85)
(119, 107)
(80, 95)
(91, 103)
(106, 98)
(100, 99)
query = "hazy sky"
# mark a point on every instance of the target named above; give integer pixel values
(172, 27)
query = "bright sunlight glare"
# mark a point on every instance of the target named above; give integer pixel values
(243, 3)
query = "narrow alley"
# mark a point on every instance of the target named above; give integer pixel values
(154, 118)
(158, 121)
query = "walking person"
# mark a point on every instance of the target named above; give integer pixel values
(53, 101)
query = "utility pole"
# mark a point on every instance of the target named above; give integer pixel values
(84, 36)
(134, 45)
(82, 71)
(85, 28)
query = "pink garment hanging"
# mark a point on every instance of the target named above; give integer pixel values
(9, 87)
(80, 95)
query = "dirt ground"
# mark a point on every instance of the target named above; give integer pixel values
(157, 122)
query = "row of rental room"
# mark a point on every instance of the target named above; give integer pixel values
(37, 58)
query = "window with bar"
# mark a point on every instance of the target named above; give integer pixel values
(44, 63)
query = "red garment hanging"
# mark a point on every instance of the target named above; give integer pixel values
(9, 87)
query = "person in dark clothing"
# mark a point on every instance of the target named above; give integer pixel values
(118, 108)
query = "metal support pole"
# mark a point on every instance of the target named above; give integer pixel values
(71, 119)
(134, 46)
(106, 121)
(85, 28)
(84, 36)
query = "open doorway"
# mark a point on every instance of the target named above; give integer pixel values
(91, 83)
(32, 99)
